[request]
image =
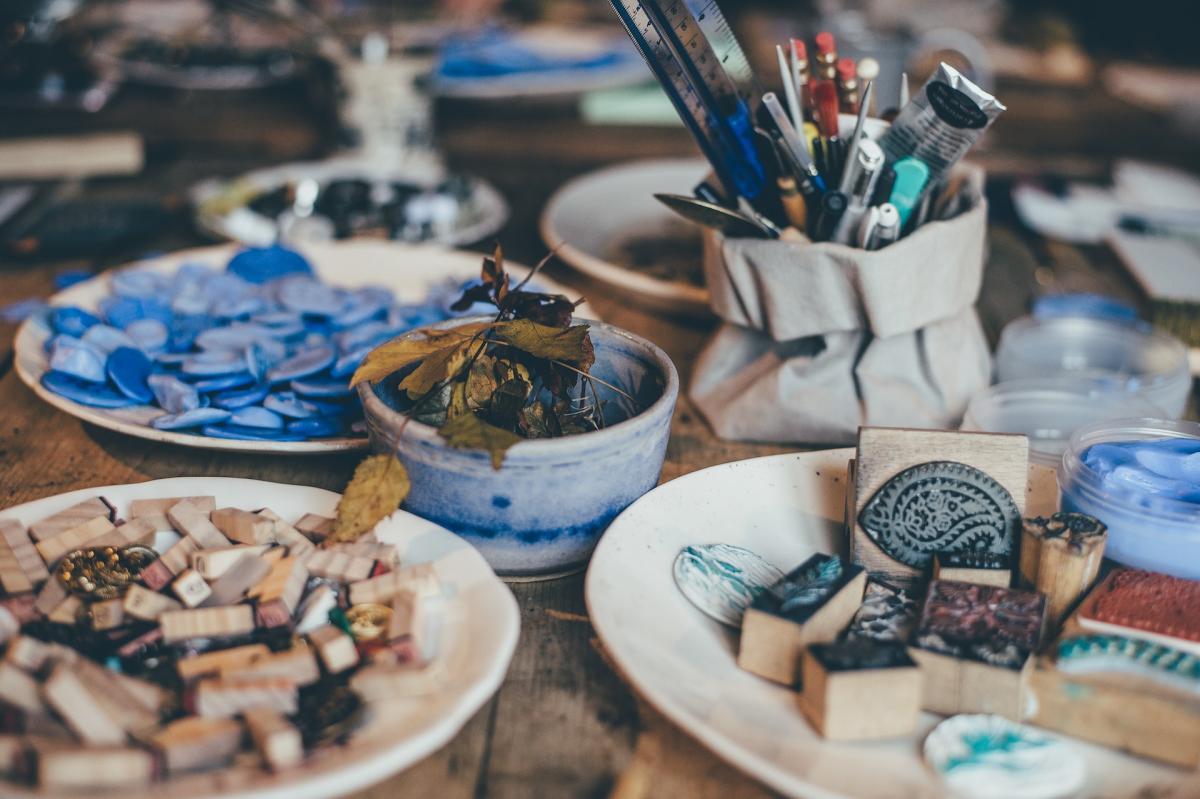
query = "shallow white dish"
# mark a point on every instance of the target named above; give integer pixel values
(409, 271)
(588, 218)
(784, 507)
(476, 641)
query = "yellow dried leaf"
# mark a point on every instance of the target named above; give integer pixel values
(398, 353)
(436, 367)
(468, 431)
(543, 341)
(379, 485)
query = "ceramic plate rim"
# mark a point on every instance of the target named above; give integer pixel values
(25, 343)
(377, 760)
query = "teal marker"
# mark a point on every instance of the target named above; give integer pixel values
(911, 176)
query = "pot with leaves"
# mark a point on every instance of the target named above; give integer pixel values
(525, 431)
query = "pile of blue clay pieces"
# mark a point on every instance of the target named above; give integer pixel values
(1165, 467)
(261, 351)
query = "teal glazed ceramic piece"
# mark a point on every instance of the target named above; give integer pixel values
(542, 512)
(1090, 654)
(722, 580)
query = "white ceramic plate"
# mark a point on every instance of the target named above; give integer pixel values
(239, 223)
(785, 508)
(408, 270)
(588, 219)
(476, 638)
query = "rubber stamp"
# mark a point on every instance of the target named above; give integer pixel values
(861, 689)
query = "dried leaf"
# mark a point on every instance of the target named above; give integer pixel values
(533, 421)
(379, 485)
(553, 310)
(436, 367)
(468, 431)
(542, 341)
(507, 402)
(398, 353)
(481, 382)
(459, 402)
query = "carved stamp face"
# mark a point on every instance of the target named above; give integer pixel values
(887, 614)
(862, 653)
(1148, 601)
(806, 589)
(998, 626)
(941, 506)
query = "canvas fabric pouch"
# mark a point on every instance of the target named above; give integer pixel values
(820, 338)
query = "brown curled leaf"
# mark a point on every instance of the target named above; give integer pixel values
(379, 485)
(398, 353)
(541, 341)
(468, 431)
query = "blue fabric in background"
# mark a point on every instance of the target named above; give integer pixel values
(1092, 306)
(494, 52)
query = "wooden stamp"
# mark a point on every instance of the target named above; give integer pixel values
(154, 511)
(297, 665)
(219, 622)
(134, 531)
(1147, 605)
(335, 649)
(1132, 695)
(1060, 557)
(88, 719)
(194, 743)
(231, 586)
(67, 611)
(64, 520)
(191, 520)
(109, 614)
(918, 492)
(887, 613)
(975, 645)
(810, 605)
(212, 563)
(860, 690)
(191, 588)
(21, 567)
(243, 526)
(146, 605)
(79, 537)
(983, 568)
(278, 594)
(89, 769)
(337, 566)
(421, 579)
(277, 740)
(316, 528)
(225, 698)
(216, 662)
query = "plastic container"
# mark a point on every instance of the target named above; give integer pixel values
(1049, 411)
(1136, 357)
(1144, 531)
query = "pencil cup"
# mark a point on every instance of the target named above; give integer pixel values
(819, 338)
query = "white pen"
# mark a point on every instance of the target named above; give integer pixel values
(887, 229)
(903, 89)
(866, 228)
(789, 90)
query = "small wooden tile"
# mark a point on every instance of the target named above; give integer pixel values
(66, 694)
(79, 537)
(154, 511)
(146, 605)
(232, 586)
(212, 563)
(191, 520)
(91, 769)
(316, 528)
(190, 588)
(297, 665)
(109, 614)
(277, 740)
(229, 697)
(195, 666)
(21, 567)
(193, 743)
(72, 517)
(335, 648)
(861, 690)
(243, 526)
(218, 622)
(337, 566)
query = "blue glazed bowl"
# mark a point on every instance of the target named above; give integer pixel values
(543, 511)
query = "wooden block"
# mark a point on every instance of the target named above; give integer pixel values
(421, 579)
(212, 563)
(278, 594)
(134, 531)
(155, 510)
(146, 605)
(408, 626)
(316, 528)
(379, 682)
(218, 622)
(971, 567)
(810, 605)
(1060, 557)
(32, 655)
(194, 743)
(386, 554)
(232, 586)
(51, 596)
(67, 611)
(289, 536)
(89, 769)
(21, 567)
(191, 520)
(81, 536)
(191, 588)
(975, 645)
(243, 526)
(887, 613)
(297, 665)
(314, 609)
(899, 496)
(335, 649)
(179, 556)
(1131, 695)
(74, 704)
(123, 699)
(10, 625)
(64, 520)
(277, 740)
(12, 755)
(156, 576)
(1145, 605)
(23, 607)
(19, 689)
(861, 690)
(215, 662)
(337, 566)
(225, 698)
(109, 614)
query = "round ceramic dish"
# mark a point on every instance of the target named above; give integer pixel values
(541, 513)
(592, 219)
(1144, 531)
(1048, 411)
(1140, 359)
(408, 271)
(480, 634)
(785, 508)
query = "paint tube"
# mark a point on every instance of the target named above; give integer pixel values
(941, 122)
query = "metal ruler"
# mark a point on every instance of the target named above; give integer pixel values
(692, 51)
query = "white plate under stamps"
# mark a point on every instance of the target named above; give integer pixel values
(477, 633)
(408, 271)
(784, 507)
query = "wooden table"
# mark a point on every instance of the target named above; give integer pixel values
(563, 723)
